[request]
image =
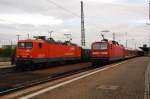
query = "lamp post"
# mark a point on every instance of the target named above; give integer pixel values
(126, 40)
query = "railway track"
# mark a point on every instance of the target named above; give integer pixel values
(6, 71)
(20, 80)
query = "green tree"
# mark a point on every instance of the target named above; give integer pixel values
(7, 52)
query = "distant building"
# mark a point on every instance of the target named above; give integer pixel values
(145, 46)
(145, 49)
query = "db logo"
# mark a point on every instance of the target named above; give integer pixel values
(27, 51)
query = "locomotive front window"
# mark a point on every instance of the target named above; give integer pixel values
(21, 45)
(24, 45)
(28, 45)
(101, 46)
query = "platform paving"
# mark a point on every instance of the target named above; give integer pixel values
(125, 81)
(6, 64)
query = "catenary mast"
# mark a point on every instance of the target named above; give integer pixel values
(82, 26)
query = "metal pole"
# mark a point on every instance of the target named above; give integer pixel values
(28, 36)
(11, 44)
(149, 10)
(82, 26)
(113, 36)
(18, 36)
(149, 24)
(149, 45)
(126, 40)
(133, 42)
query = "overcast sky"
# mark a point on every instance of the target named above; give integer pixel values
(37, 17)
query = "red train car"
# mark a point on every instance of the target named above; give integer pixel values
(42, 51)
(129, 53)
(106, 51)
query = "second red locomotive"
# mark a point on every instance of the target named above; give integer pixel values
(107, 51)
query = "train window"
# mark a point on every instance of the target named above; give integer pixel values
(40, 45)
(21, 44)
(101, 46)
(28, 45)
(24, 45)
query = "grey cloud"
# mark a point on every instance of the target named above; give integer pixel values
(98, 16)
(41, 6)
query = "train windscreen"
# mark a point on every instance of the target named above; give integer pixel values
(25, 45)
(101, 46)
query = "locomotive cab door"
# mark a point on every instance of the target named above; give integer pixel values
(40, 52)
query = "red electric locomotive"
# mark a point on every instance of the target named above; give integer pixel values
(106, 51)
(30, 53)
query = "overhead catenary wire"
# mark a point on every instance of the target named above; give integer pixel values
(92, 24)
(69, 11)
(63, 8)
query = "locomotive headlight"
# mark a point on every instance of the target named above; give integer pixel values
(29, 56)
(104, 52)
(94, 53)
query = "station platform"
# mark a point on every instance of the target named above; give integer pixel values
(6, 64)
(125, 80)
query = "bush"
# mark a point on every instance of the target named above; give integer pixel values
(1, 51)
